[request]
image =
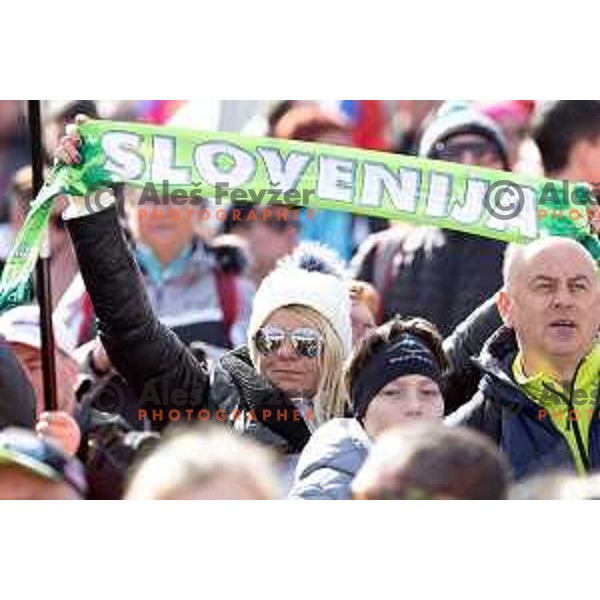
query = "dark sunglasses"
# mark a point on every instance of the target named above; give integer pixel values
(454, 151)
(305, 341)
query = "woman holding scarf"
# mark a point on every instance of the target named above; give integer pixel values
(277, 389)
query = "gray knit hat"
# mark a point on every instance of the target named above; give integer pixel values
(458, 117)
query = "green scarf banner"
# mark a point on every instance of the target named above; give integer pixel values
(190, 165)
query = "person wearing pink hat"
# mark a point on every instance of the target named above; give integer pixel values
(514, 117)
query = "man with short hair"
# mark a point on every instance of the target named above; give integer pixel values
(567, 133)
(538, 395)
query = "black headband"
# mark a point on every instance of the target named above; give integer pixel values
(408, 355)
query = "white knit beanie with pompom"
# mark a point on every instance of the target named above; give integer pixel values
(287, 284)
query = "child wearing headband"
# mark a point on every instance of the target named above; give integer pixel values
(394, 376)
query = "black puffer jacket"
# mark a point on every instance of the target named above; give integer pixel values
(172, 385)
(465, 344)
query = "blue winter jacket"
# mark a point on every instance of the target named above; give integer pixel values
(330, 460)
(504, 412)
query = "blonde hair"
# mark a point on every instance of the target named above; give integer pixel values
(190, 458)
(331, 399)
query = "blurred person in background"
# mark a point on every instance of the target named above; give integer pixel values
(17, 397)
(428, 461)
(16, 186)
(206, 463)
(32, 468)
(132, 110)
(197, 289)
(265, 120)
(59, 113)
(514, 117)
(410, 118)
(14, 153)
(567, 133)
(63, 264)
(19, 405)
(14, 146)
(308, 122)
(559, 485)
(437, 274)
(20, 329)
(193, 287)
(269, 233)
(278, 110)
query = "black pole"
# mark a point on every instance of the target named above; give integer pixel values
(43, 281)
